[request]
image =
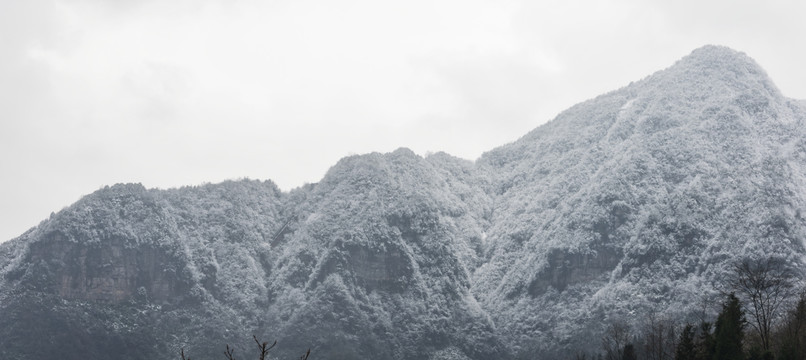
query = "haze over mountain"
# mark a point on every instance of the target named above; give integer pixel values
(636, 202)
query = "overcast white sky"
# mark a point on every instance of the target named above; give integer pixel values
(181, 92)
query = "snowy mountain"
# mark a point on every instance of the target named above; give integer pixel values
(634, 203)
(640, 200)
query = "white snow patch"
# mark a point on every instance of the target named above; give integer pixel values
(628, 104)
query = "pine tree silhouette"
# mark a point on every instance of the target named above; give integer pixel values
(729, 332)
(685, 346)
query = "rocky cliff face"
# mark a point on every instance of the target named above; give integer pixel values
(109, 272)
(633, 203)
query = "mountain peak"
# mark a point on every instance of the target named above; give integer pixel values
(722, 57)
(716, 51)
(721, 65)
(626, 206)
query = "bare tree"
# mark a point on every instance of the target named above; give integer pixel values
(659, 338)
(263, 347)
(305, 356)
(764, 285)
(229, 352)
(616, 336)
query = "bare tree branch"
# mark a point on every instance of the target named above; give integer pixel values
(264, 348)
(764, 286)
(616, 336)
(229, 352)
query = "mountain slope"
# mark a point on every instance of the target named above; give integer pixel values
(638, 200)
(128, 267)
(631, 204)
(380, 258)
(375, 260)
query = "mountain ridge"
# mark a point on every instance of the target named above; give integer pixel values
(633, 202)
(652, 156)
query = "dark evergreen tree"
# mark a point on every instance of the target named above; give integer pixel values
(705, 342)
(685, 346)
(793, 334)
(729, 331)
(629, 353)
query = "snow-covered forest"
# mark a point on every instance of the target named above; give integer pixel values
(631, 208)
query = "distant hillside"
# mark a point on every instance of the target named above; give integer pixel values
(636, 202)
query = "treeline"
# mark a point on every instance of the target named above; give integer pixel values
(762, 317)
(262, 353)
